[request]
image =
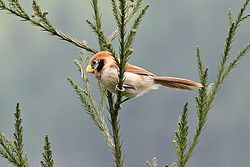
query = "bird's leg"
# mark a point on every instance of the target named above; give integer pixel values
(117, 107)
(125, 100)
(120, 107)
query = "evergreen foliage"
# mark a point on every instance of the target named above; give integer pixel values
(88, 101)
(124, 12)
(47, 154)
(13, 151)
(39, 18)
(207, 93)
(18, 138)
(180, 141)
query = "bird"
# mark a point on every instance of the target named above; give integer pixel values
(137, 80)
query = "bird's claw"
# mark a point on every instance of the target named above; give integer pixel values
(118, 108)
(118, 89)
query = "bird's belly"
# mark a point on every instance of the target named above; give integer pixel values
(109, 80)
(134, 84)
(139, 84)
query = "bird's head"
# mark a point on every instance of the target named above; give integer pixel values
(100, 61)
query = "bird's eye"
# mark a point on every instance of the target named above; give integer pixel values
(95, 64)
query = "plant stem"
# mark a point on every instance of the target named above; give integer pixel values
(114, 120)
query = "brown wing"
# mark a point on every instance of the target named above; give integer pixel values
(138, 70)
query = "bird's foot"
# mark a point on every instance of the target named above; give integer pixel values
(119, 89)
(118, 108)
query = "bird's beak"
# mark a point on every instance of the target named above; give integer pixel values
(89, 69)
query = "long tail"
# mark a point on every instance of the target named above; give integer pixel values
(179, 83)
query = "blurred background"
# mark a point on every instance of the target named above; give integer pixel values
(34, 67)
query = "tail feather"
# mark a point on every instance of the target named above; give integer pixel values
(179, 83)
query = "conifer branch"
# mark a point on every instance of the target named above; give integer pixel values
(123, 59)
(132, 33)
(81, 64)
(245, 17)
(89, 103)
(235, 61)
(200, 66)
(116, 13)
(114, 109)
(114, 121)
(39, 18)
(228, 44)
(122, 16)
(181, 134)
(105, 45)
(207, 93)
(100, 35)
(96, 116)
(18, 137)
(132, 8)
(12, 151)
(202, 109)
(122, 29)
(98, 23)
(47, 154)
(123, 12)
(7, 150)
(230, 17)
(241, 16)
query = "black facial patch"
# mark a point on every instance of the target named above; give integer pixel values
(100, 65)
